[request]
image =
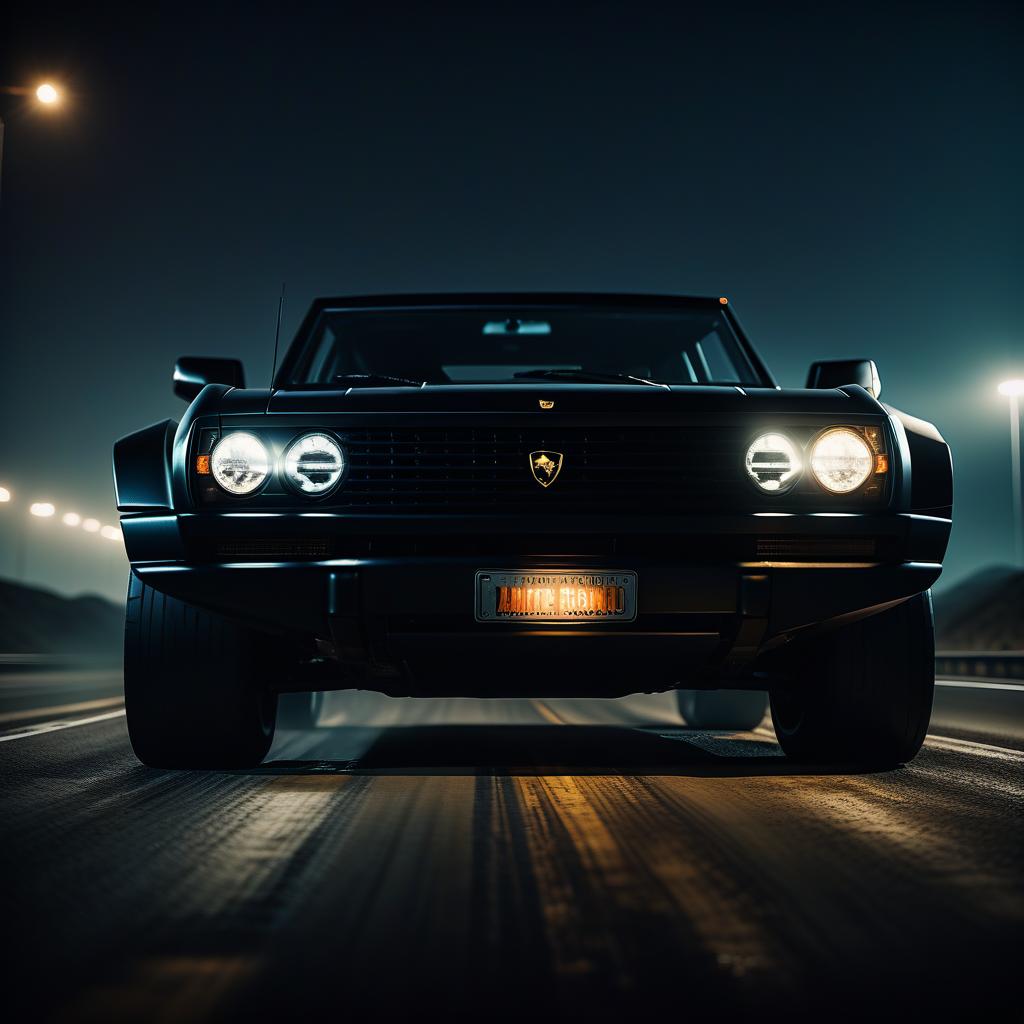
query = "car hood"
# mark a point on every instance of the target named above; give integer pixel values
(597, 399)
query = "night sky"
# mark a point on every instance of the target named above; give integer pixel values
(850, 176)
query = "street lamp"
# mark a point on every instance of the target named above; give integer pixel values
(46, 94)
(42, 509)
(71, 519)
(1013, 389)
(5, 495)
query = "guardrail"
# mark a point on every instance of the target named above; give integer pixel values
(980, 664)
(57, 662)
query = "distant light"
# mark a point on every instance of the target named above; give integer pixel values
(47, 94)
(71, 519)
(724, 301)
(5, 495)
(1012, 387)
(91, 525)
(43, 509)
(111, 533)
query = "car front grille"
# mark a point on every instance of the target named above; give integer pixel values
(637, 469)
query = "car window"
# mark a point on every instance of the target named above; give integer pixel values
(714, 358)
(446, 346)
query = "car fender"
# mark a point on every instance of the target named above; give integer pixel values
(149, 464)
(142, 468)
(931, 482)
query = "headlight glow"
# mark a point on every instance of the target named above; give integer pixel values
(841, 460)
(314, 464)
(240, 462)
(773, 462)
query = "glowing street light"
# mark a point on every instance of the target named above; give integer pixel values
(5, 495)
(110, 532)
(42, 509)
(71, 519)
(1013, 389)
(91, 526)
(47, 93)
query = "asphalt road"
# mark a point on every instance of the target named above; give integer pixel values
(588, 859)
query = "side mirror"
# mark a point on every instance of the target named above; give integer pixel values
(835, 373)
(193, 373)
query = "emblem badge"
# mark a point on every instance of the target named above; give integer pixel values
(545, 467)
(546, 403)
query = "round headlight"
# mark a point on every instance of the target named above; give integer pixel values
(239, 463)
(841, 460)
(314, 463)
(773, 462)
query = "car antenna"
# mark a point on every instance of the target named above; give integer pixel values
(277, 339)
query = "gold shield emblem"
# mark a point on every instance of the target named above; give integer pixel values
(545, 404)
(545, 467)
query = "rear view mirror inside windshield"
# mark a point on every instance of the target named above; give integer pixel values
(514, 326)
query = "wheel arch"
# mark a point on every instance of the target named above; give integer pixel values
(931, 481)
(142, 468)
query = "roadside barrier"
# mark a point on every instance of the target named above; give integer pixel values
(980, 665)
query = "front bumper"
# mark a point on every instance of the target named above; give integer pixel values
(394, 599)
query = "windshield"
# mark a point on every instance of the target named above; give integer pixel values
(457, 346)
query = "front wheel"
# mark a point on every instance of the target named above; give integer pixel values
(738, 710)
(863, 693)
(197, 687)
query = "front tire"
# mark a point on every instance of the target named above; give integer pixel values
(861, 694)
(197, 687)
(738, 710)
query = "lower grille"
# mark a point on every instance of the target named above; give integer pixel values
(556, 547)
(824, 549)
(298, 548)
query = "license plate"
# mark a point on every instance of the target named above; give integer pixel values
(505, 596)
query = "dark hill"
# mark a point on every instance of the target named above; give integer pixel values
(35, 621)
(984, 612)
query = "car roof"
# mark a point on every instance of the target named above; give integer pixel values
(504, 299)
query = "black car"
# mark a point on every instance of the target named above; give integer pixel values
(531, 495)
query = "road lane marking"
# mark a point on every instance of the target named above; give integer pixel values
(968, 746)
(48, 679)
(45, 727)
(948, 742)
(60, 709)
(977, 685)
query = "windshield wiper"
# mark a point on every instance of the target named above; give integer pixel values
(376, 380)
(586, 377)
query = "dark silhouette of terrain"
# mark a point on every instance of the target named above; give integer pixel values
(37, 621)
(984, 612)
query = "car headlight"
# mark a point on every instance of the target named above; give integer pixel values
(239, 462)
(841, 460)
(773, 462)
(314, 463)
